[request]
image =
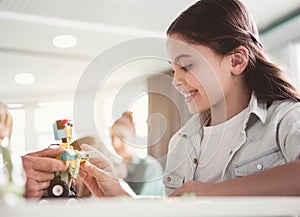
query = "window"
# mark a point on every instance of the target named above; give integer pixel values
(139, 109)
(45, 115)
(32, 128)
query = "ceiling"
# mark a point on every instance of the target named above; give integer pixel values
(29, 26)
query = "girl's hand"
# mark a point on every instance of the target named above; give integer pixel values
(194, 187)
(99, 176)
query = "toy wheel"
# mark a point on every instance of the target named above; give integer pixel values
(58, 188)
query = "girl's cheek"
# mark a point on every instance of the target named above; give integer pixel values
(194, 81)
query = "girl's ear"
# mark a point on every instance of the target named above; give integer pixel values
(239, 60)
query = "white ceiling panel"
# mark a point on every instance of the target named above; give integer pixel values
(28, 27)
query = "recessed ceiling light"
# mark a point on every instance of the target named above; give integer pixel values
(64, 41)
(24, 78)
(15, 106)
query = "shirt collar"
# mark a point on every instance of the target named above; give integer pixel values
(257, 108)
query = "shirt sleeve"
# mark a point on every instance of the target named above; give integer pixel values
(289, 133)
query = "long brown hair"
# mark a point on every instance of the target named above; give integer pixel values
(223, 25)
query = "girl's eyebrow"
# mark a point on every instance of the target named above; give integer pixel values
(177, 59)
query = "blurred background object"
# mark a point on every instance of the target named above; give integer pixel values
(143, 173)
(12, 177)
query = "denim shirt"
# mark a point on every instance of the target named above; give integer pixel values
(270, 136)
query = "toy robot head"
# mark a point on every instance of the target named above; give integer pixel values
(62, 129)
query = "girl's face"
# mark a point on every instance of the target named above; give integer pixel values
(200, 75)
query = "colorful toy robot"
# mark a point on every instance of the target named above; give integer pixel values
(61, 185)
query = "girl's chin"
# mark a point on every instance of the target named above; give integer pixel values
(193, 109)
(196, 109)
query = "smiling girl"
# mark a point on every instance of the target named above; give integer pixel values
(246, 120)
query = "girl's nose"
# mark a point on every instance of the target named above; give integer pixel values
(178, 78)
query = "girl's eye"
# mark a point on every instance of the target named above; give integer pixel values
(172, 72)
(187, 67)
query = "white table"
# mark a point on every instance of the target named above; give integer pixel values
(183, 207)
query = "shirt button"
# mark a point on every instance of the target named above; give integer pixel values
(230, 153)
(259, 166)
(195, 161)
(183, 135)
(168, 179)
